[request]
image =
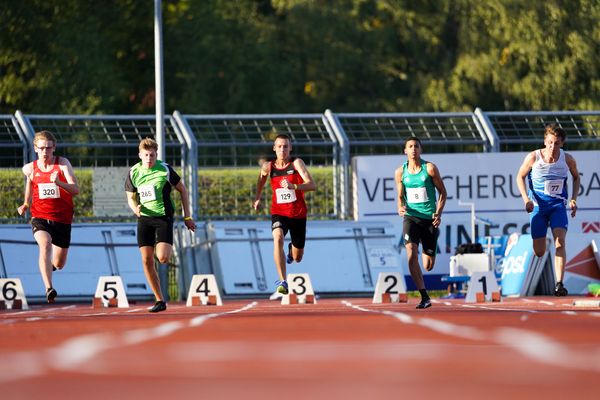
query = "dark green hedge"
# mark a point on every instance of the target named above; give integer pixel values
(222, 193)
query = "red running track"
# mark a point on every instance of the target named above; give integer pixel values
(338, 348)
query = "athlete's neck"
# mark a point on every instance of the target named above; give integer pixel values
(550, 157)
(414, 164)
(45, 163)
(280, 163)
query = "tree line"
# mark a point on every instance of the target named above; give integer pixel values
(298, 56)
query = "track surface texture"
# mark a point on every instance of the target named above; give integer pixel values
(538, 347)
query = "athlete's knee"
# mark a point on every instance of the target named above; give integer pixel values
(163, 259)
(299, 255)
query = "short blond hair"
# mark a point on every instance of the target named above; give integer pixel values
(44, 135)
(148, 144)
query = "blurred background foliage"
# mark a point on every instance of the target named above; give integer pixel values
(296, 56)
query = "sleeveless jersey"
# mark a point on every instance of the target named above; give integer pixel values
(50, 201)
(548, 181)
(419, 192)
(153, 187)
(287, 202)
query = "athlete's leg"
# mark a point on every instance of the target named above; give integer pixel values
(539, 227)
(59, 256)
(560, 256)
(147, 253)
(163, 252)
(539, 246)
(278, 253)
(428, 262)
(412, 252)
(44, 241)
(298, 238)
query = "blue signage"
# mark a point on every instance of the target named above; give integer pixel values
(515, 266)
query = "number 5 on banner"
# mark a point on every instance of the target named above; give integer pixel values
(11, 290)
(109, 288)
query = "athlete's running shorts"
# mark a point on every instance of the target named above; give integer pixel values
(554, 217)
(59, 233)
(296, 227)
(152, 230)
(419, 230)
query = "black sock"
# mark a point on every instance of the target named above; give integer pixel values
(424, 295)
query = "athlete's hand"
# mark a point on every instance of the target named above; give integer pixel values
(437, 220)
(573, 205)
(529, 206)
(22, 208)
(138, 210)
(53, 177)
(190, 224)
(256, 205)
(401, 210)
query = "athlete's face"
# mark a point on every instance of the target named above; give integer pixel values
(553, 143)
(412, 149)
(282, 148)
(44, 149)
(148, 158)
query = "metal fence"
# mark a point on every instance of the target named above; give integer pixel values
(219, 155)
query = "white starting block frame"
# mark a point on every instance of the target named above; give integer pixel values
(204, 288)
(483, 282)
(390, 284)
(109, 288)
(300, 290)
(11, 289)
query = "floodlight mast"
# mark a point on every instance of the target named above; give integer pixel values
(158, 80)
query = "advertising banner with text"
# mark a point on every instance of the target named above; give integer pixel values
(485, 179)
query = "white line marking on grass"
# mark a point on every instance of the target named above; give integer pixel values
(532, 345)
(75, 353)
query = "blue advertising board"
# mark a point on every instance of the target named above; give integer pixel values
(515, 266)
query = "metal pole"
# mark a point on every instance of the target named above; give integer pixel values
(158, 80)
(462, 203)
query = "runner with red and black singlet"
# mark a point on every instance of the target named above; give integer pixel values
(49, 189)
(289, 180)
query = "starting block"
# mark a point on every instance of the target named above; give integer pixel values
(300, 290)
(12, 294)
(110, 292)
(100, 302)
(204, 291)
(483, 287)
(390, 288)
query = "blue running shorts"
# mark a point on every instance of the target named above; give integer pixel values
(555, 217)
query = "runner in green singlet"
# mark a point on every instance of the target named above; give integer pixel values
(417, 181)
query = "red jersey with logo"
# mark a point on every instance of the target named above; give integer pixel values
(287, 202)
(50, 201)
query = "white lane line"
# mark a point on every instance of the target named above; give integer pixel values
(75, 353)
(532, 345)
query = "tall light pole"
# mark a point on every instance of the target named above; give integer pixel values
(158, 80)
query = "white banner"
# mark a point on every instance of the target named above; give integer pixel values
(485, 179)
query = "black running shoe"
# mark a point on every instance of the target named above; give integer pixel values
(51, 295)
(158, 306)
(425, 303)
(560, 290)
(289, 259)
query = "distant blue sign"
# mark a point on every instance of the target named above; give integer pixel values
(516, 265)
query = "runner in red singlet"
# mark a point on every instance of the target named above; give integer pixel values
(289, 180)
(49, 189)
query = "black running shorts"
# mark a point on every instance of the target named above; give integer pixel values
(152, 230)
(418, 230)
(59, 233)
(296, 227)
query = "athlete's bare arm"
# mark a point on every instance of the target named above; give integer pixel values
(71, 182)
(438, 182)
(521, 175)
(260, 184)
(27, 170)
(572, 164)
(185, 204)
(308, 183)
(133, 204)
(400, 189)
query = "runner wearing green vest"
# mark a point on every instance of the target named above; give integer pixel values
(148, 188)
(416, 182)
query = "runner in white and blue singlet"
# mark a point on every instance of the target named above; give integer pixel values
(547, 171)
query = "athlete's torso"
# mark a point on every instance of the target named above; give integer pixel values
(287, 202)
(419, 192)
(548, 181)
(50, 201)
(153, 187)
